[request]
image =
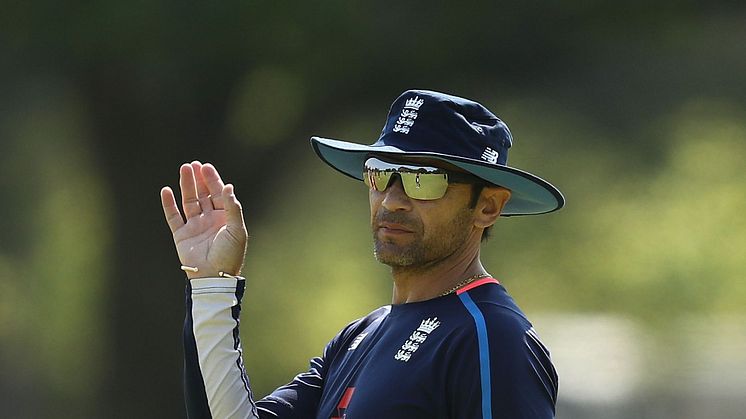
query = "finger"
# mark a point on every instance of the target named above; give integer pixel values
(189, 200)
(234, 215)
(203, 194)
(214, 184)
(170, 210)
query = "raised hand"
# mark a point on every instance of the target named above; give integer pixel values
(213, 237)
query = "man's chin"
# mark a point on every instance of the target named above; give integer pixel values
(392, 255)
(393, 262)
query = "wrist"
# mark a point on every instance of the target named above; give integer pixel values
(194, 272)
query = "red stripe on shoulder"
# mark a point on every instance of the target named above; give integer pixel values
(476, 284)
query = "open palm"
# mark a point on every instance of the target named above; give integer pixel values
(213, 237)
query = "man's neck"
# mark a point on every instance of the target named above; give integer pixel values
(413, 284)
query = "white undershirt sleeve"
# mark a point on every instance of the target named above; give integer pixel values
(214, 312)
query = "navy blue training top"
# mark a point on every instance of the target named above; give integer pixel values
(468, 355)
(471, 355)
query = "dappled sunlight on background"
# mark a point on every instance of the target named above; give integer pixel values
(693, 368)
(54, 257)
(657, 239)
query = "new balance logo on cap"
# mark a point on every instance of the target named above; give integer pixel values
(490, 155)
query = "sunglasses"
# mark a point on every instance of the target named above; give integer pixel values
(419, 182)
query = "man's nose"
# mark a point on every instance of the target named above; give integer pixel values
(394, 197)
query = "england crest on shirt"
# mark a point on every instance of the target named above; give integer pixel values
(416, 339)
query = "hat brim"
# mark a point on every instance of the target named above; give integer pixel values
(530, 194)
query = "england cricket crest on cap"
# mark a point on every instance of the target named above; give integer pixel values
(408, 115)
(416, 339)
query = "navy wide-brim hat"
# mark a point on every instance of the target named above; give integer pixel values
(459, 131)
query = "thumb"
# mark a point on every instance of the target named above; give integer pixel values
(233, 209)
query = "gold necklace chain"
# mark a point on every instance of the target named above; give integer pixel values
(465, 282)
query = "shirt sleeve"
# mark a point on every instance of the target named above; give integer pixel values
(501, 370)
(215, 381)
(297, 399)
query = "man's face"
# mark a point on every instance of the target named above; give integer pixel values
(416, 233)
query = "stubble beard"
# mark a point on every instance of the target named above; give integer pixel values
(420, 252)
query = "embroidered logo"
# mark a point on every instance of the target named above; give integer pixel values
(490, 155)
(416, 339)
(477, 128)
(355, 343)
(408, 115)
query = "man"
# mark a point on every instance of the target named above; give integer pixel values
(452, 344)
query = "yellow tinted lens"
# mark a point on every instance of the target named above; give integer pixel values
(376, 179)
(425, 186)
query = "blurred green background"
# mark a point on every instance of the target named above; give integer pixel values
(636, 110)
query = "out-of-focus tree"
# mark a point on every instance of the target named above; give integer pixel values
(54, 258)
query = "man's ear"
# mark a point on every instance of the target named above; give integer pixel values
(491, 201)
